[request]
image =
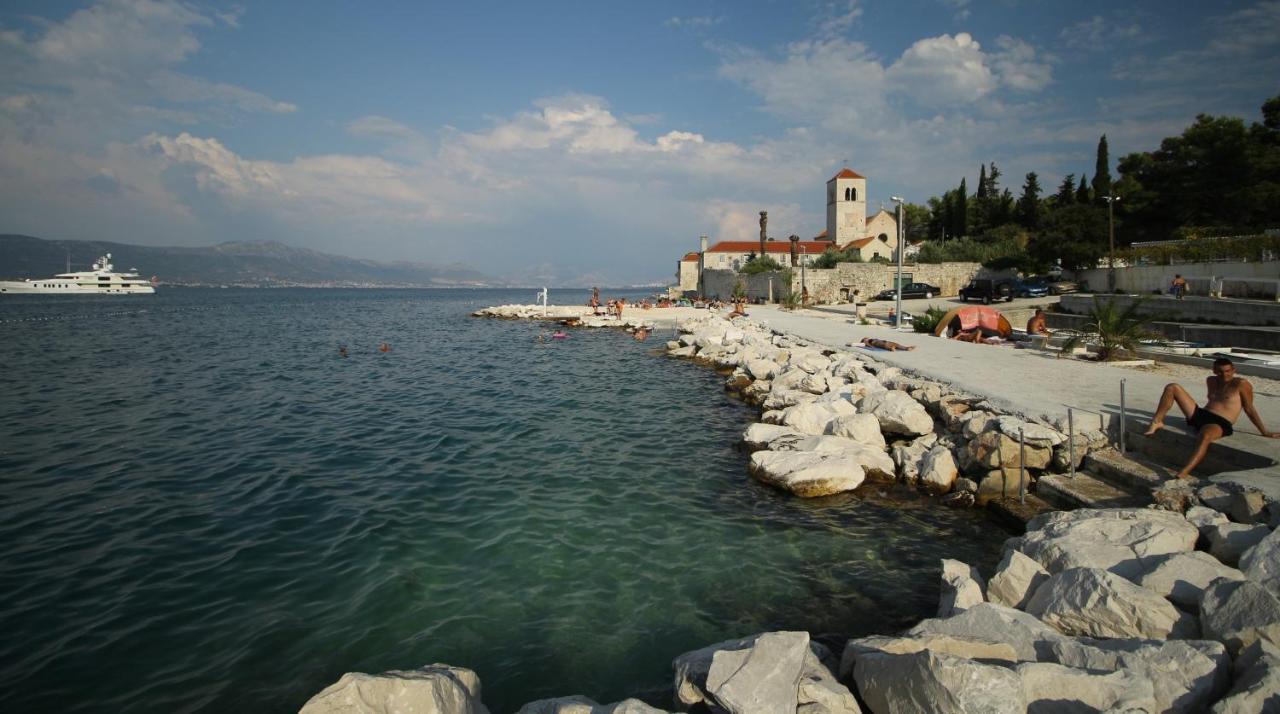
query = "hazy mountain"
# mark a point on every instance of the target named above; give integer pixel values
(242, 263)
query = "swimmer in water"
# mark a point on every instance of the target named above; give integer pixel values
(559, 335)
(384, 347)
(342, 350)
(641, 334)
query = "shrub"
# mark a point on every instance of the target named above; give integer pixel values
(760, 265)
(928, 320)
(830, 257)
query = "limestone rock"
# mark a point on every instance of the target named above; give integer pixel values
(1239, 613)
(1111, 539)
(759, 436)
(995, 450)
(762, 368)
(859, 427)
(436, 689)
(966, 485)
(1175, 495)
(1261, 563)
(874, 461)
(925, 681)
(1229, 541)
(1016, 580)
(1257, 685)
(813, 418)
(811, 362)
(1096, 603)
(1001, 481)
(1182, 577)
(898, 413)
(1242, 503)
(1205, 518)
(962, 588)
(807, 474)
(1032, 433)
(1188, 674)
(938, 470)
(814, 384)
(976, 423)
(579, 704)
(1053, 687)
(782, 398)
(684, 352)
(994, 623)
(966, 647)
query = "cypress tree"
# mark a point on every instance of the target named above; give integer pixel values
(1102, 172)
(982, 183)
(1028, 209)
(1082, 194)
(962, 211)
(1066, 190)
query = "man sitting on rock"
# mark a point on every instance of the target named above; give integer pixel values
(1228, 396)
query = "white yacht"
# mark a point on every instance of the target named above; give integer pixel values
(101, 280)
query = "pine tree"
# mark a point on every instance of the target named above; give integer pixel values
(982, 184)
(1028, 210)
(1066, 191)
(962, 211)
(1102, 172)
(1082, 193)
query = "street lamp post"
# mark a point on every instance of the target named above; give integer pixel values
(804, 289)
(1111, 230)
(897, 292)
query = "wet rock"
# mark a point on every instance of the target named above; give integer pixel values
(925, 681)
(994, 623)
(864, 428)
(962, 588)
(1016, 580)
(435, 689)
(807, 474)
(1182, 577)
(1257, 685)
(1188, 674)
(1050, 687)
(1096, 603)
(1229, 541)
(1001, 483)
(959, 499)
(898, 413)
(1239, 613)
(1110, 539)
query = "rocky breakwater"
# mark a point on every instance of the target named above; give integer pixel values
(579, 315)
(1108, 610)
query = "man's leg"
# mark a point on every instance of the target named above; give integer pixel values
(1208, 434)
(1173, 394)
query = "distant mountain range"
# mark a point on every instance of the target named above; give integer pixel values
(235, 263)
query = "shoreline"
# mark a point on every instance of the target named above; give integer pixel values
(835, 419)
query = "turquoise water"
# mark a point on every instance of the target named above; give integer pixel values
(204, 508)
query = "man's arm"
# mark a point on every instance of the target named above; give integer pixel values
(1246, 401)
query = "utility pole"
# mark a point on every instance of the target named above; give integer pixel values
(1111, 229)
(897, 293)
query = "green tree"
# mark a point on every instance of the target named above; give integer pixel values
(1082, 193)
(1066, 194)
(1102, 172)
(1074, 236)
(960, 212)
(982, 184)
(831, 256)
(916, 221)
(760, 265)
(1028, 208)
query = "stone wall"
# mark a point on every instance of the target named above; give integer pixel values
(1225, 312)
(837, 284)
(1156, 278)
(720, 284)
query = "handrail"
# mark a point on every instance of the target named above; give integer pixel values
(1102, 427)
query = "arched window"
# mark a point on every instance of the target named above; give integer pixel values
(883, 237)
(853, 194)
(846, 195)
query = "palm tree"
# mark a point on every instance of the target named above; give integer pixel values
(1115, 330)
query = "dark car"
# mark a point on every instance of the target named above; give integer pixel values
(986, 290)
(913, 290)
(1031, 287)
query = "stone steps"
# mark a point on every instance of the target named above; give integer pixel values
(1087, 490)
(1015, 514)
(1130, 471)
(1174, 444)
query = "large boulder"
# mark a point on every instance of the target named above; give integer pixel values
(1002, 483)
(990, 622)
(771, 672)
(898, 413)
(1262, 563)
(579, 704)
(761, 368)
(759, 436)
(1096, 603)
(435, 689)
(966, 647)
(1048, 687)
(806, 473)
(1188, 674)
(994, 450)
(859, 427)
(910, 456)
(938, 470)
(875, 462)
(813, 417)
(1229, 541)
(1034, 434)
(1182, 577)
(811, 362)
(1257, 685)
(926, 681)
(1110, 539)
(962, 588)
(1016, 580)
(1239, 613)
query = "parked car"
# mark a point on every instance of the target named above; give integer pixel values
(913, 290)
(1031, 287)
(1059, 287)
(986, 290)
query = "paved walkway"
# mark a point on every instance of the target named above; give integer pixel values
(1024, 381)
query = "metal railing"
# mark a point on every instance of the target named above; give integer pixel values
(1102, 427)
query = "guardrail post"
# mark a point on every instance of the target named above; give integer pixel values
(1122, 415)
(1071, 441)
(1022, 468)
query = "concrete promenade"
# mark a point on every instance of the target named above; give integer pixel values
(1034, 383)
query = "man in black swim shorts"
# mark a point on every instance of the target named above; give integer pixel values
(1228, 396)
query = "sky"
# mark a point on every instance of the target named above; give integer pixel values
(571, 142)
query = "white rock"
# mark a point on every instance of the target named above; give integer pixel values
(938, 470)
(1016, 579)
(928, 682)
(898, 413)
(579, 704)
(863, 428)
(1182, 577)
(1229, 541)
(784, 398)
(1096, 603)
(966, 647)
(1053, 687)
(1205, 518)
(995, 623)
(683, 352)
(759, 436)
(813, 418)
(1257, 685)
(976, 422)
(1239, 613)
(789, 378)
(807, 474)
(962, 588)
(1261, 563)
(1188, 674)
(1111, 539)
(811, 362)
(436, 689)
(761, 368)
(875, 462)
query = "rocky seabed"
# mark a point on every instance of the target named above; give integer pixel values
(1163, 609)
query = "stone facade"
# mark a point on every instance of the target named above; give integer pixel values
(846, 207)
(838, 284)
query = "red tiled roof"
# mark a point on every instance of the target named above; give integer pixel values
(847, 173)
(809, 247)
(688, 257)
(821, 235)
(858, 243)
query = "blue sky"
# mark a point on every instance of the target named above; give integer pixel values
(575, 142)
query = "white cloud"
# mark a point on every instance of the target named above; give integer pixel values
(1018, 67)
(1098, 34)
(943, 70)
(699, 22)
(838, 18)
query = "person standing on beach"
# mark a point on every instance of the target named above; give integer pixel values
(621, 303)
(1179, 286)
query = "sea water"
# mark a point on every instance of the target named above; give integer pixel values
(205, 507)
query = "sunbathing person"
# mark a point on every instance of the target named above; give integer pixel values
(886, 344)
(1036, 325)
(1228, 396)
